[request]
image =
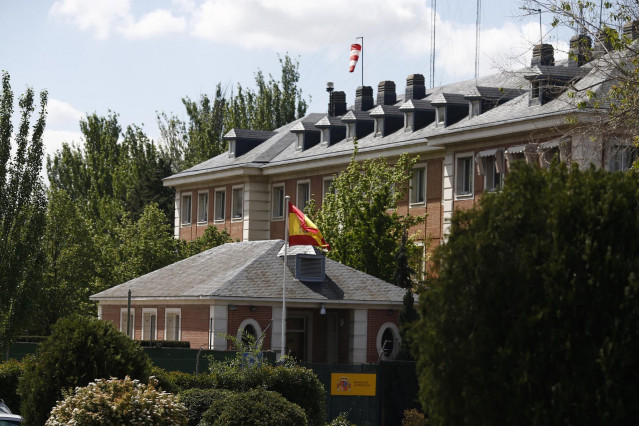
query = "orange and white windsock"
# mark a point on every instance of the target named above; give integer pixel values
(356, 49)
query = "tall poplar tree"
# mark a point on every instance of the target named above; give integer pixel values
(22, 209)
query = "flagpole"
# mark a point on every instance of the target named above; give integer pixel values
(283, 345)
(362, 56)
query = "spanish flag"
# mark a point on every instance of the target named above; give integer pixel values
(302, 231)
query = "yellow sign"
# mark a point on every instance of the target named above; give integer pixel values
(353, 384)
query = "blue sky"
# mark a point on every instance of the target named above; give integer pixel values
(137, 57)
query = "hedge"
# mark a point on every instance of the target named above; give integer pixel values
(198, 401)
(10, 372)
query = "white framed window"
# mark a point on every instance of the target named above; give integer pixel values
(379, 127)
(440, 113)
(237, 206)
(232, 148)
(123, 324)
(219, 206)
(350, 131)
(418, 186)
(203, 207)
(149, 324)
(172, 324)
(327, 186)
(303, 194)
(388, 341)
(277, 202)
(326, 137)
(490, 165)
(185, 212)
(474, 108)
(621, 157)
(408, 121)
(464, 176)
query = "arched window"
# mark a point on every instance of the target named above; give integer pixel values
(388, 341)
(248, 326)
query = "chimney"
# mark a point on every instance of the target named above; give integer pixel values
(631, 30)
(337, 104)
(580, 50)
(603, 42)
(415, 88)
(543, 54)
(386, 93)
(364, 98)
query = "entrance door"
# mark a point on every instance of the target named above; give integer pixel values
(332, 328)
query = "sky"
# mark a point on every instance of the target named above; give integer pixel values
(137, 58)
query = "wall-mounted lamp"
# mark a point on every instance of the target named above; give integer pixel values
(232, 307)
(322, 310)
(253, 308)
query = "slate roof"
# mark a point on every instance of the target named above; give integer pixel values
(248, 134)
(253, 270)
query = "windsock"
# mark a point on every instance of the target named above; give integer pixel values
(356, 49)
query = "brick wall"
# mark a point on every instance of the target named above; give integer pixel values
(376, 318)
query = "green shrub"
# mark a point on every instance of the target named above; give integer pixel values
(413, 417)
(118, 402)
(198, 401)
(297, 384)
(255, 407)
(341, 420)
(79, 350)
(10, 372)
(178, 381)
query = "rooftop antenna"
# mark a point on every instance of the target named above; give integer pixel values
(433, 16)
(477, 25)
(541, 35)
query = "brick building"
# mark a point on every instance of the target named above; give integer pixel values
(334, 313)
(466, 135)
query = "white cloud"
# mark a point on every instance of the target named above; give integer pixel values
(62, 114)
(53, 140)
(160, 22)
(98, 16)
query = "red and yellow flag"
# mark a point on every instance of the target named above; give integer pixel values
(302, 231)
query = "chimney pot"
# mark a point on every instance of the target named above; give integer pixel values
(580, 50)
(364, 98)
(543, 54)
(415, 87)
(386, 93)
(631, 30)
(337, 104)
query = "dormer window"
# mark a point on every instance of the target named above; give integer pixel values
(326, 137)
(536, 90)
(232, 148)
(350, 131)
(408, 121)
(379, 126)
(440, 114)
(300, 142)
(474, 108)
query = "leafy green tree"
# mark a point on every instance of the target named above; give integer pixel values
(271, 104)
(359, 218)
(532, 315)
(79, 350)
(408, 314)
(22, 210)
(69, 277)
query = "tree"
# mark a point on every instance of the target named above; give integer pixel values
(70, 268)
(532, 315)
(272, 104)
(22, 210)
(611, 101)
(408, 314)
(79, 350)
(359, 217)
